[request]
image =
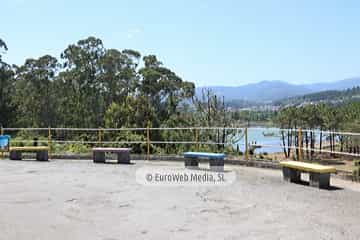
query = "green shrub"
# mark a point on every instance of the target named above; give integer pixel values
(356, 174)
(21, 141)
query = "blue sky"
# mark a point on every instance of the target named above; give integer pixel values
(208, 42)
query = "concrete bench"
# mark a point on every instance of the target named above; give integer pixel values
(123, 154)
(319, 174)
(216, 160)
(42, 153)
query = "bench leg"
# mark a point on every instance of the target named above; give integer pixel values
(291, 175)
(99, 157)
(320, 180)
(15, 155)
(42, 156)
(123, 157)
(191, 163)
(217, 164)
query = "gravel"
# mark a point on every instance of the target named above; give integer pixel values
(77, 199)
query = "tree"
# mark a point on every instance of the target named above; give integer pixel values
(118, 77)
(2, 45)
(6, 90)
(82, 99)
(34, 95)
(134, 112)
(163, 88)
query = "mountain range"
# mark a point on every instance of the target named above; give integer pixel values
(269, 91)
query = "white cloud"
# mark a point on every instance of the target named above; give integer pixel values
(134, 32)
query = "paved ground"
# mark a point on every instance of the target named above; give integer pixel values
(81, 200)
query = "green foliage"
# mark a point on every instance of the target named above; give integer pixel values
(24, 138)
(133, 112)
(34, 93)
(356, 174)
(2, 46)
(93, 87)
(70, 148)
(328, 117)
(6, 90)
(322, 116)
(253, 116)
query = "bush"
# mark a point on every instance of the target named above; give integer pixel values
(356, 174)
(20, 141)
(70, 148)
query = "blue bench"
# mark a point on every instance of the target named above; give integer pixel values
(4, 143)
(216, 160)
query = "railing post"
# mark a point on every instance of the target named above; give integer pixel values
(2, 130)
(49, 141)
(148, 141)
(246, 145)
(99, 137)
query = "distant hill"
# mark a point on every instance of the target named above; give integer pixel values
(329, 96)
(258, 92)
(268, 91)
(338, 85)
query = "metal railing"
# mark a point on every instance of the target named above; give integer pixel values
(242, 138)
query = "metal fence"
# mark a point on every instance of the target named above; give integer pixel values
(299, 143)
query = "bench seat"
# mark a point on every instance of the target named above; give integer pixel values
(319, 174)
(216, 160)
(29, 149)
(123, 154)
(42, 152)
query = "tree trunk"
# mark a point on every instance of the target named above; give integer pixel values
(320, 140)
(311, 145)
(289, 143)
(297, 144)
(284, 144)
(307, 145)
(341, 143)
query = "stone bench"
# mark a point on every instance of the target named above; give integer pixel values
(216, 160)
(42, 153)
(123, 154)
(319, 174)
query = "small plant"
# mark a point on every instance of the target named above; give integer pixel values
(356, 171)
(356, 174)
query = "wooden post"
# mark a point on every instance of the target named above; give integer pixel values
(99, 137)
(49, 141)
(246, 145)
(300, 145)
(148, 141)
